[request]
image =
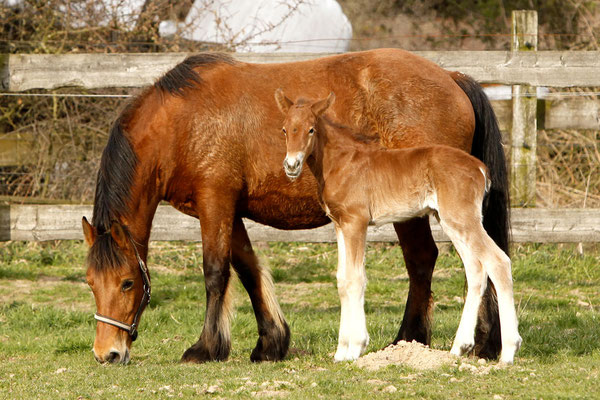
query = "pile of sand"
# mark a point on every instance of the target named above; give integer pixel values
(411, 354)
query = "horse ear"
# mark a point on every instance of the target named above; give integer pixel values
(321, 106)
(118, 234)
(89, 233)
(282, 101)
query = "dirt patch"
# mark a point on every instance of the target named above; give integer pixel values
(21, 290)
(411, 354)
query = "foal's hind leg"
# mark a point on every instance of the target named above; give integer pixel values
(351, 281)
(482, 257)
(216, 219)
(464, 340)
(273, 331)
(498, 267)
(420, 253)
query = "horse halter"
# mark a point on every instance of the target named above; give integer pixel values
(132, 329)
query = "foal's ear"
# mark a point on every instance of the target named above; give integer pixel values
(282, 101)
(321, 106)
(89, 233)
(118, 234)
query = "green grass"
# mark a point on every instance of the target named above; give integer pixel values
(47, 329)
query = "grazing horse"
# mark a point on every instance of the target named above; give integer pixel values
(198, 138)
(364, 184)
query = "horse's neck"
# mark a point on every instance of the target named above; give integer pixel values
(142, 209)
(138, 216)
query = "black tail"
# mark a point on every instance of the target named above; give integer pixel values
(487, 146)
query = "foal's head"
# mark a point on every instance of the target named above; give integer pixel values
(118, 282)
(299, 128)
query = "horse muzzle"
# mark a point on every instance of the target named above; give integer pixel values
(293, 166)
(113, 356)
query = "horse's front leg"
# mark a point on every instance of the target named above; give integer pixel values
(273, 331)
(216, 219)
(351, 283)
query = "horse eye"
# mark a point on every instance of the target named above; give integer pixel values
(284, 131)
(311, 131)
(126, 285)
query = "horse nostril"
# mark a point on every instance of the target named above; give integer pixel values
(113, 357)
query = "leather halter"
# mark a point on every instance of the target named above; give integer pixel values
(132, 328)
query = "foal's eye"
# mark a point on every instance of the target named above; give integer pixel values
(126, 285)
(311, 131)
(284, 131)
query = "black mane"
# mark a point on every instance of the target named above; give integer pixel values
(115, 176)
(183, 76)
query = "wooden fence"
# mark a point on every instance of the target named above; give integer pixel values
(50, 222)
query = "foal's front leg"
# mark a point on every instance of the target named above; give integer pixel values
(351, 283)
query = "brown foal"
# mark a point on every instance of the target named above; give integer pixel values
(361, 184)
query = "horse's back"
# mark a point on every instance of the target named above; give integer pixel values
(403, 98)
(396, 95)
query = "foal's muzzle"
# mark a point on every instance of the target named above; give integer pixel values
(293, 165)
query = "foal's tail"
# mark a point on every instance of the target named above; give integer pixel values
(487, 146)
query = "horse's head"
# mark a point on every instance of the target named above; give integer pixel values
(121, 285)
(299, 128)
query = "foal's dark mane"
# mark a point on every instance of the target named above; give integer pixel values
(349, 132)
(119, 160)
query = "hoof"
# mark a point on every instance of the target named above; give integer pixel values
(416, 331)
(351, 351)
(459, 349)
(272, 348)
(198, 354)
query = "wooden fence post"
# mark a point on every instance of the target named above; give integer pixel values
(524, 123)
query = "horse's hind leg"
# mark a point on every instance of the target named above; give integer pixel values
(273, 331)
(420, 253)
(216, 220)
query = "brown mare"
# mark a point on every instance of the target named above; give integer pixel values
(363, 184)
(206, 138)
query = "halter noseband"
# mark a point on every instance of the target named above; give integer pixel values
(132, 329)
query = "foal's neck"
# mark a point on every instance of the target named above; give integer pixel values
(332, 141)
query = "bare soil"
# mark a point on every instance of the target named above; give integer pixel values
(410, 354)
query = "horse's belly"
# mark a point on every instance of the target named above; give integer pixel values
(285, 213)
(284, 206)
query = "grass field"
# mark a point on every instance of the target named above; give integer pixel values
(47, 329)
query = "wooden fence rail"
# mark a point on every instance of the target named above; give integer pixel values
(52, 222)
(20, 72)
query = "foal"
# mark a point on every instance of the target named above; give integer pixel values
(362, 184)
